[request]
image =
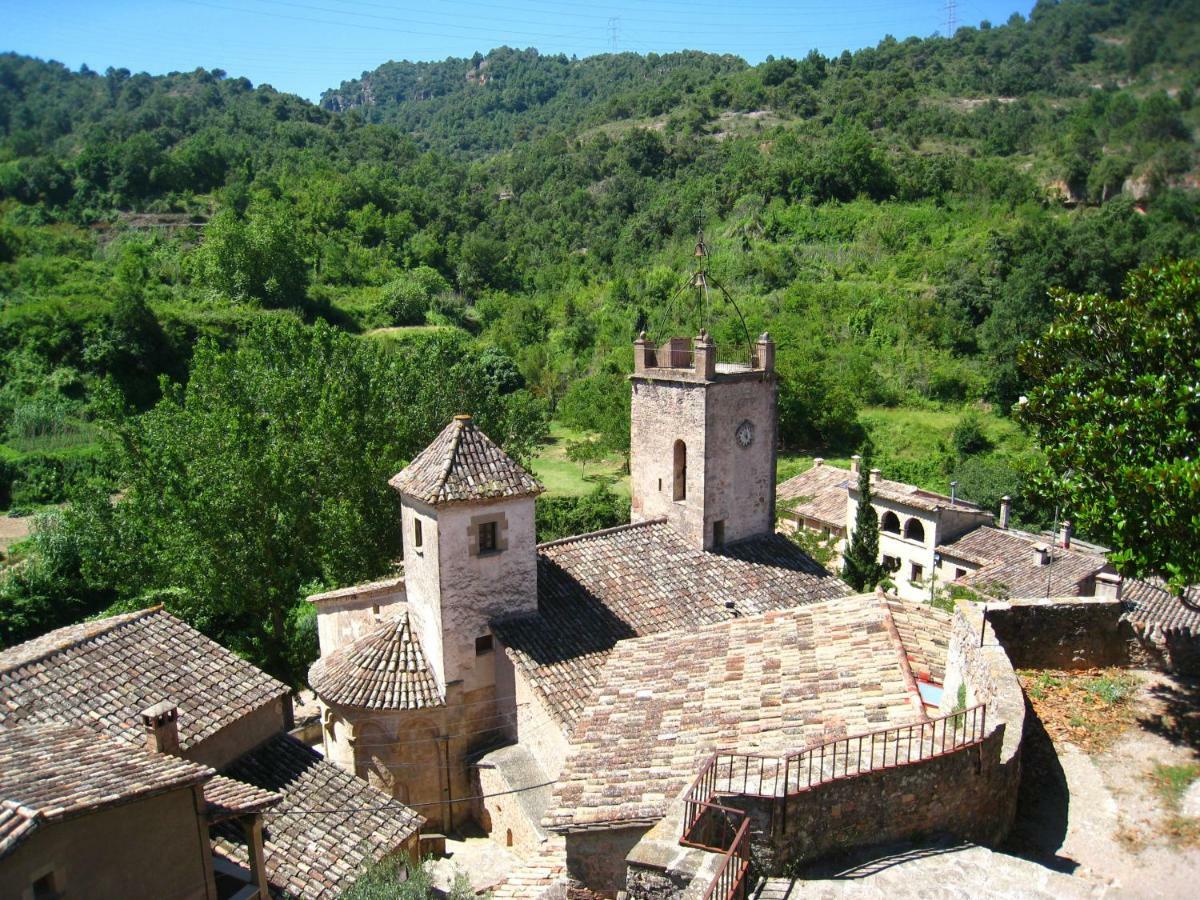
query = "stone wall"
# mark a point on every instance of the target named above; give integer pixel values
(243, 734)
(663, 412)
(968, 794)
(596, 858)
(534, 727)
(1170, 649)
(1062, 633)
(739, 482)
(346, 615)
(156, 847)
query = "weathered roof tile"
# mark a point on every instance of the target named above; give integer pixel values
(50, 772)
(383, 669)
(327, 827)
(463, 465)
(595, 590)
(104, 673)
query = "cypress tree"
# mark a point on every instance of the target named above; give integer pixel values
(860, 566)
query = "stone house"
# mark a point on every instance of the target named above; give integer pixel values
(136, 733)
(928, 539)
(484, 680)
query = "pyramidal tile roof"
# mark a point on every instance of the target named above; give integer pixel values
(463, 464)
(383, 669)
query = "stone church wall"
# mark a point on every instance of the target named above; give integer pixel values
(663, 412)
(739, 482)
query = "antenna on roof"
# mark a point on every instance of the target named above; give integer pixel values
(702, 281)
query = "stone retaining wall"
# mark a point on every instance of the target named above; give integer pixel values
(1062, 633)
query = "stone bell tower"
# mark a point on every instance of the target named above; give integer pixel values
(470, 554)
(703, 437)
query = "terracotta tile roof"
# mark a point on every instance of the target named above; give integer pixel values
(538, 876)
(925, 634)
(911, 495)
(1147, 602)
(595, 590)
(462, 464)
(1010, 565)
(17, 822)
(820, 494)
(227, 797)
(383, 669)
(767, 684)
(104, 673)
(50, 772)
(382, 586)
(328, 825)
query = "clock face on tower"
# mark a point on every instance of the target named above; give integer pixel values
(745, 433)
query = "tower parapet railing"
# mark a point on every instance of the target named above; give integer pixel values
(700, 356)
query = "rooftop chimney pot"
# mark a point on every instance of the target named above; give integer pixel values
(855, 463)
(818, 461)
(1108, 586)
(1041, 554)
(875, 473)
(1005, 510)
(161, 722)
(1065, 535)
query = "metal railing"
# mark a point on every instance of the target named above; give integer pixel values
(724, 830)
(778, 777)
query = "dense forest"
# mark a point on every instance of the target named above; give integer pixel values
(491, 233)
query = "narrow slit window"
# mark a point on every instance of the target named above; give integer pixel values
(680, 488)
(418, 535)
(487, 537)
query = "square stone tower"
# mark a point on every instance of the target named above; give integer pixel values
(470, 553)
(703, 439)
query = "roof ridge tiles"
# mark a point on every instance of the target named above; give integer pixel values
(72, 636)
(629, 526)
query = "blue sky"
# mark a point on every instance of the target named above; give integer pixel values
(306, 46)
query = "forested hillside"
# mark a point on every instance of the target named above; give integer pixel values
(896, 217)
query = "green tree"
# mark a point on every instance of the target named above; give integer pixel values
(260, 258)
(860, 564)
(1116, 409)
(268, 472)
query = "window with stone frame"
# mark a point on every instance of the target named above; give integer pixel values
(917, 573)
(487, 538)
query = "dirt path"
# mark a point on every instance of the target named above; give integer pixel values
(1099, 816)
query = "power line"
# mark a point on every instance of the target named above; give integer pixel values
(397, 805)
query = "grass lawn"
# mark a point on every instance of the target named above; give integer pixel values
(564, 478)
(905, 433)
(401, 332)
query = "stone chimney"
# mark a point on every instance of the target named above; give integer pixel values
(818, 461)
(855, 463)
(1005, 510)
(706, 356)
(1065, 535)
(1108, 586)
(765, 353)
(953, 492)
(875, 473)
(162, 727)
(1041, 554)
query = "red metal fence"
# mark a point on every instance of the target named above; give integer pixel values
(724, 830)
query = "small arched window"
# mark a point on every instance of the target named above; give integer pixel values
(680, 468)
(914, 530)
(890, 522)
